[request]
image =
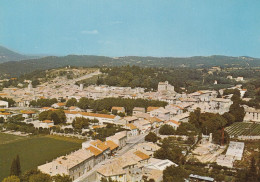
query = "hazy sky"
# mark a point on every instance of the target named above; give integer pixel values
(131, 27)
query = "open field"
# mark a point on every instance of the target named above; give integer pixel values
(245, 129)
(7, 138)
(33, 151)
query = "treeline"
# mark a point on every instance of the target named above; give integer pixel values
(134, 76)
(43, 102)
(105, 105)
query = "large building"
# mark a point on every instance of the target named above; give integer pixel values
(165, 86)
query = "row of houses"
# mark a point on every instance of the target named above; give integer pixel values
(81, 161)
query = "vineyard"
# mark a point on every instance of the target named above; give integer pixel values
(244, 129)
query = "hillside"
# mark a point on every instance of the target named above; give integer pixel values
(8, 55)
(14, 68)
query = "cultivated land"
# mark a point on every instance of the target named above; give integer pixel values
(7, 138)
(33, 151)
(245, 129)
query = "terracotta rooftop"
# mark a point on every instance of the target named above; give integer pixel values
(94, 150)
(151, 108)
(118, 108)
(112, 145)
(28, 112)
(131, 126)
(141, 155)
(175, 122)
(47, 121)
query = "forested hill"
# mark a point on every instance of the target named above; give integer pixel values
(16, 68)
(8, 55)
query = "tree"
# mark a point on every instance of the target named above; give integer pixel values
(252, 172)
(169, 151)
(80, 123)
(11, 179)
(151, 137)
(71, 102)
(43, 115)
(26, 175)
(237, 111)
(40, 177)
(61, 178)
(217, 137)
(84, 103)
(166, 130)
(173, 173)
(2, 120)
(195, 118)
(18, 164)
(229, 118)
(114, 112)
(15, 167)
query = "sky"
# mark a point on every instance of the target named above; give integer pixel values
(162, 28)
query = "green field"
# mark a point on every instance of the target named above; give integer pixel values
(245, 129)
(6, 138)
(33, 151)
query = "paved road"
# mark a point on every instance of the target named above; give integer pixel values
(88, 177)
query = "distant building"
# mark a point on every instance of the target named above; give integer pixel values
(118, 109)
(240, 79)
(3, 104)
(165, 86)
(138, 110)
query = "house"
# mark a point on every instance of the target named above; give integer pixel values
(74, 108)
(75, 164)
(99, 149)
(147, 147)
(137, 110)
(133, 130)
(159, 164)
(112, 170)
(161, 113)
(149, 109)
(112, 146)
(156, 122)
(119, 138)
(130, 119)
(252, 114)
(173, 123)
(103, 118)
(5, 115)
(28, 114)
(220, 105)
(184, 117)
(3, 104)
(59, 105)
(46, 124)
(143, 125)
(118, 109)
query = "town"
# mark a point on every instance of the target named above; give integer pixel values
(130, 134)
(129, 91)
